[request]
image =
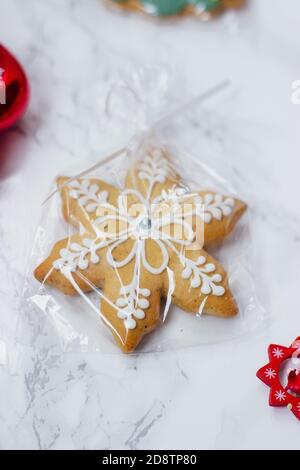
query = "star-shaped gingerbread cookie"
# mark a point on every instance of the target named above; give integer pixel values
(138, 245)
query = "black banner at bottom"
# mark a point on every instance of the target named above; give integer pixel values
(135, 458)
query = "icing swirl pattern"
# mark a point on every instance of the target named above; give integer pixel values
(167, 220)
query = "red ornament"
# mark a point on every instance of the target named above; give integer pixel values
(289, 395)
(294, 381)
(14, 89)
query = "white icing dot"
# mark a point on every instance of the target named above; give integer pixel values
(140, 314)
(83, 263)
(216, 278)
(186, 273)
(130, 323)
(207, 218)
(145, 292)
(58, 264)
(122, 315)
(143, 303)
(227, 210)
(217, 213)
(205, 289)
(73, 194)
(208, 198)
(121, 302)
(219, 291)
(210, 268)
(64, 253)
(195, 282)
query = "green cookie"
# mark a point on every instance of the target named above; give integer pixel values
(164, 7)
(172, 7)
(206, 5)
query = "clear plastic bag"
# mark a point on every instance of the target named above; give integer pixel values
(129, 250)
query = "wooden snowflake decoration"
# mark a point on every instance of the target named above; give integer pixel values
(270, 374)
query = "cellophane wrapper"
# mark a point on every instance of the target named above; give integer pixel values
(129, 263)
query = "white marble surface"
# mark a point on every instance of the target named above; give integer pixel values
(205, 397)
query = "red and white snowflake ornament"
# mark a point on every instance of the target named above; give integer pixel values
(272, 375)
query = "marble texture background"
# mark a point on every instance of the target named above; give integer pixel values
(203, 397)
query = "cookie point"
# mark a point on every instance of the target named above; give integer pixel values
(60, 180)
(38, 273)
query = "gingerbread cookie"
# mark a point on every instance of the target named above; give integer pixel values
(164, 8)
(142, 244)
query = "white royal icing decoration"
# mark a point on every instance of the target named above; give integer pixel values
(132, 304)
(148, 224)
(139, 244)
(87, 194)
(213, 206)
(78, 256)
(198, 273)
(155, 168)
